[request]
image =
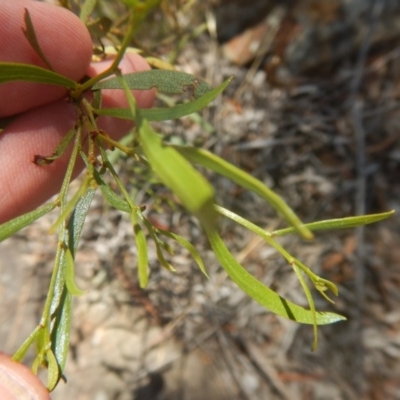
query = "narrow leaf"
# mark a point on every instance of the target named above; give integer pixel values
(86, 9)
(30, 35)
(340, 223)
(242, 178)
(169, 82)
(60, 334)
(160, 257)
(97, 99)
(75, 223)
(160, 245)
(69, 208)
(70, 275)
(61, 304)
(164, 114)
(56, 294)
(320, 283)
(178, 175)
(110, 195)
(9, 228)
(37, 362)
(189, 247)
(58, 151)
(141, 245)
(262, 294)
(310, 303)
(42, 342)
(10, 72)
(53, 371)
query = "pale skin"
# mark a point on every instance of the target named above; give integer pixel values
(42, 115)
(46, 115)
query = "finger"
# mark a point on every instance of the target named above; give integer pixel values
(64, 40)
(18, 382)
(25, 185)
(116, 98)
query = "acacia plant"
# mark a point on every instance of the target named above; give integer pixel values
(174, 166)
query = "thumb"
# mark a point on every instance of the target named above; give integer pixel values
(17, 382)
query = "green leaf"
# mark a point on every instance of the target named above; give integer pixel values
(42, 341)
(189, 247)
(70, 275)
(54, 296)
(141, 245)
(339, 223)
(62, 300)
(53, 370)
(160, 245)
(242, 178)
(166, 81)
(97, 99)
(37, 362)
(262, 294)
(310, 303)
(75, 223)
(68, 239)
(74, 229)
(164, 114)
(160, 257)
(30, 35)
(10, 72)
(9, 228)
(320, 284)
(58, 151)
(69, 208)
(110, 195)
(177, 174)
(60, 334)
(86, 9)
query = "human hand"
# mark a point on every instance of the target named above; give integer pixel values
(42, 115)
(18, 382)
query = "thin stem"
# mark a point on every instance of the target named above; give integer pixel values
(47, 307)
(68, 208)
(267, 236)
(71, 165)
(114, 66)
(116, 177)
(106, 139)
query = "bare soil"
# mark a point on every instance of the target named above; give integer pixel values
(323, 134)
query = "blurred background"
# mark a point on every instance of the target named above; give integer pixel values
(312, 111)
